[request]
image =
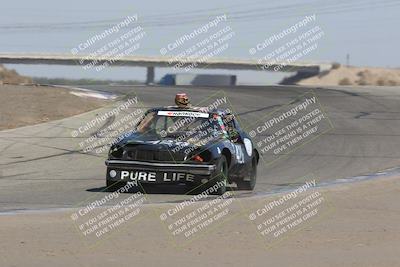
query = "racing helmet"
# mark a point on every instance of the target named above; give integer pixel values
(182, 100)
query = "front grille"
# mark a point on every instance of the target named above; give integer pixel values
(154, 155)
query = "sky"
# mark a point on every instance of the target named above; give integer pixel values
(366, 30)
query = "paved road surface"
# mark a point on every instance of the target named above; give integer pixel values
(41, 166)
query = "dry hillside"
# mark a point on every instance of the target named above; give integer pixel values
(12, 77)
(355, 76)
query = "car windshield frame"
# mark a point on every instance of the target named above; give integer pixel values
(172, 122)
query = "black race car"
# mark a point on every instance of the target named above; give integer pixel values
(192, 146)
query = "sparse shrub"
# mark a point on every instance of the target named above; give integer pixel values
(380, 82)
(335, 65)
(362, 81)
(345, 81)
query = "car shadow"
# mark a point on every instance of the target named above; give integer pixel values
(159, 189)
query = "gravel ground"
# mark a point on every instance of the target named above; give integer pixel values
(27, 105)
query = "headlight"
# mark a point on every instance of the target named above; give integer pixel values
(116, 152)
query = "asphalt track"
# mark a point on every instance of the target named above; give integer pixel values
(41, 166)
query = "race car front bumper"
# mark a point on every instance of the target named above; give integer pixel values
(157, 172)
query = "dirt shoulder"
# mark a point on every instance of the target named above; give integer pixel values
(22, 105)
(361, 229)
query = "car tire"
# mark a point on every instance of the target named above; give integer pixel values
(221, 175)
(249, 185)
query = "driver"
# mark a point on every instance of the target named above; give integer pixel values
(230, 128)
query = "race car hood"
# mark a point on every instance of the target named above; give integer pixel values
(157, 142)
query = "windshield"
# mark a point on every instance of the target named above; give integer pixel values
(171, 123)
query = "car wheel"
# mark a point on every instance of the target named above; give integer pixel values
(114, 186)
(249, 185)
(221, 175)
